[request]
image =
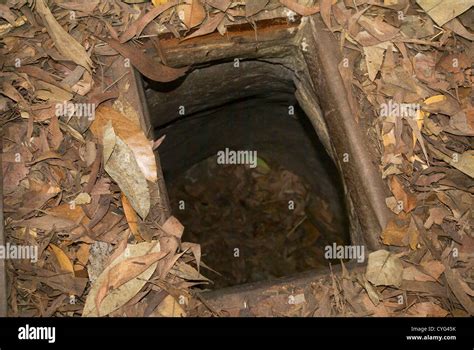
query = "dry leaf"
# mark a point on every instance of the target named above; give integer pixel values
(137, 27)
(131, 217)
(373, 58)
(121, 165)
(400, 233)
(300, 9)
(65, 43)
(208, 26)
(169, 307)
(427, 309)
(222, 5)
(255, 6)
(384, 269)
(131, 134)
(124, 272)
(173, 227)
(63, 260)
(145, 64)
(377, 28)
(406, 198)
(326, 12)
(191, 13)
(443, 11)
(120, 296)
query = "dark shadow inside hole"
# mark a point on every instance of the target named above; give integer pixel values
(253, 223)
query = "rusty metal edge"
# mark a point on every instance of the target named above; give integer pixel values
(144, 115)
(134, 95)
(323, 47)
(243, 297)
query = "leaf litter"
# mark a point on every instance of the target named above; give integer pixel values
(78, 208)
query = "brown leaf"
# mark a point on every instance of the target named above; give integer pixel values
(207, 27)
(326, 6)
(121, 165)
(131, 217)
(131, 133)
(7, 14)
(114, 299)
(65, 43)
(437, 215)
(192, 13)
(255, 6)
(400, 233)
(425, 180)
(56, 136)
(145, 64)
(453, 278)
(408, 200)
(69, 211)
(300, 9)
(63, 260)
(222, 5)
(434, 268)
(377, 28)
(137, 27)
(384, 269)
(427, 309)
(173, 227)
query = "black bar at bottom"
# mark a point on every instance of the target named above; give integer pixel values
(452, 333)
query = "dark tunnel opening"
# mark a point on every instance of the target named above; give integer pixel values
(246, 172)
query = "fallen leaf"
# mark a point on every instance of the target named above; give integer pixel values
(427, 309)
(132, 134)
(173, 227)
(82, 198)
(222, 5)
(125, 271)
(438, 9)
(384, 269)
(65, 43)
(378, 28)
(169, 307)
(63, 260)
(121, 165)
(131, 217)
(300, 9)
(400, 233)
(437, 216)
(373, 58)
(137, 27)
(326, 12)
(208, 26)
(120, 296)
(145, 64)
(407, 199)
(255, 6)
(191, 13)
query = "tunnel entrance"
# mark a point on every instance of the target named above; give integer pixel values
(246, 172)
